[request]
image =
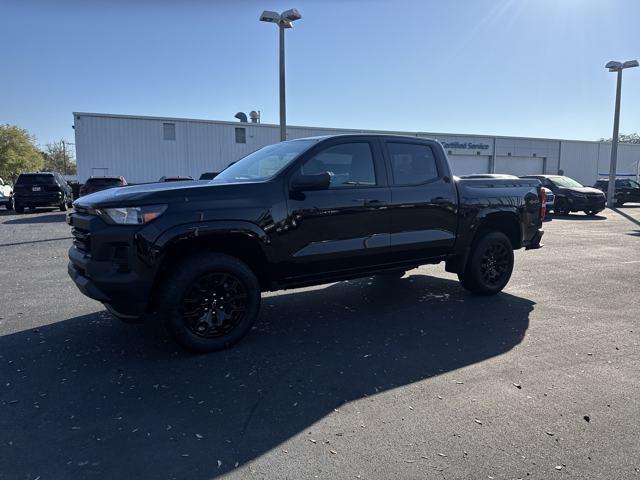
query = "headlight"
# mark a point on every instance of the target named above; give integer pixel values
(131, 215)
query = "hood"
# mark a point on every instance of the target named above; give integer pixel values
(580, 190)
(164, 192)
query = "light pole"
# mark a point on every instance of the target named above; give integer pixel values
(283, 20)
(616, 67)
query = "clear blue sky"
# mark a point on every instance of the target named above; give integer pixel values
(506, 67)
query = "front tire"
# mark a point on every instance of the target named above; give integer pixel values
(561, 207)
(489, 266)
(210, 302)
(18, 208)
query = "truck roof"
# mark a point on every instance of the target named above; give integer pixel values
(365, 134)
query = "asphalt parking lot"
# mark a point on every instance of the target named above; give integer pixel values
(411, 378)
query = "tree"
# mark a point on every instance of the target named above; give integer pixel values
(18, 152)
(57, 158)
(625, 138)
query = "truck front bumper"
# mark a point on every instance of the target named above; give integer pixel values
(104, 265)
(590, 204)
(124, 294)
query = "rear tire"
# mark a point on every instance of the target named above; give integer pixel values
(489, 266)
(63, 206)
(620, 200)
(210, 302)
(591, 213)
(18, 208)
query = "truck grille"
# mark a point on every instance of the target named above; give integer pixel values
(81, 239)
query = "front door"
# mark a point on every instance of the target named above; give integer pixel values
(346, 227)
(423, 200)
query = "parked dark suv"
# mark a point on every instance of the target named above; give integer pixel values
(626, 190)
(571, 196)
(42, 189)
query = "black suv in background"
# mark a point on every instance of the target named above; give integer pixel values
(626, 190)
(571, 196)
(42, 189)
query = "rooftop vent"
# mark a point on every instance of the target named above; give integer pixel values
(242, 117)
(254, 116)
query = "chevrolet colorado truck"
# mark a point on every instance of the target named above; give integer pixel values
(292, 214)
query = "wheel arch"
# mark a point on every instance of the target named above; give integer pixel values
(503, 222)
(245, 242)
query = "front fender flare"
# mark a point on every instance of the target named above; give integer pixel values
(188, 231)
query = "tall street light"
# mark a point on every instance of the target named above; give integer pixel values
(616, 67)
(283, 20)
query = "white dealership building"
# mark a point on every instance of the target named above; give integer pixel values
(143, 149)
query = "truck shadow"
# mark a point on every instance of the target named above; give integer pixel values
(49, 218)
(90, 397)
(577, 216)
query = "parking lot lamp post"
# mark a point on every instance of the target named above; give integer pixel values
(616, 67)
(283, 20)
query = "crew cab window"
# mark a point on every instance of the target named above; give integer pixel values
(349, 164)
(412, 164)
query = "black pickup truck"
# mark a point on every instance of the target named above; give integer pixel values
(293, 214)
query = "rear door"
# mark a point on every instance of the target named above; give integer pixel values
(347, 226)
(423, 200)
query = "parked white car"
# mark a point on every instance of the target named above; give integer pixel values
(6, 195)
(551, 198)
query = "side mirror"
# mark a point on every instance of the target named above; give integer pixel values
(307, 183)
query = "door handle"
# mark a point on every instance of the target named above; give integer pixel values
(370, 203)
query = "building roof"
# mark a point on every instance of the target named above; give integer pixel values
(346, 130)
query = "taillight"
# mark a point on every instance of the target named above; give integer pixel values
(83, 190)
(543, 204)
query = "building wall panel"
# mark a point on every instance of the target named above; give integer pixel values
(135, 147)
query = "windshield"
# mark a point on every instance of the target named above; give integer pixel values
(36, 178)
(565, 182)
(263, 164)
(104, 181)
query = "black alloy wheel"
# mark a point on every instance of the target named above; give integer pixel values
(214, 305)
(209, 301)
(489, 266)
(494, 264)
